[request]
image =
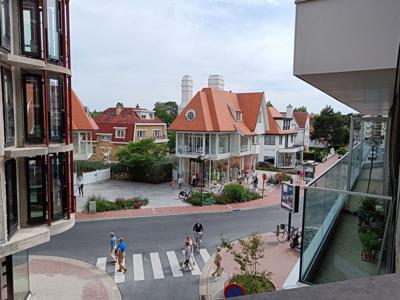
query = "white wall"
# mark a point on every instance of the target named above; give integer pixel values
(95, 176)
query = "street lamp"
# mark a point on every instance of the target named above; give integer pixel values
(201, 159)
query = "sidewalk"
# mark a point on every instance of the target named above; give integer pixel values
(272, 197)
(278, 259)
(61, 278)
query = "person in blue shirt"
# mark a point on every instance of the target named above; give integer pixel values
(121, 255)
(113, 247)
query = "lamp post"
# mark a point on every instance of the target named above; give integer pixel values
(201, 159)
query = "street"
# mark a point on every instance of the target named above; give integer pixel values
(155, 243)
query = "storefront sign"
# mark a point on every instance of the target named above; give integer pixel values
(290, 197)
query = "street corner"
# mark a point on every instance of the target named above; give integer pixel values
(62, 278)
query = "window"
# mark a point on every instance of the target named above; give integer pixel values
(33, 108)
(11, 194)
(105, 138)
(156, 133)
(280, 140)
(224, 144)
(286, 124)
(53, 30)
(30, 24)
(143, 116)
(8, 107)
(291, 138)
(20, 275)
(238, 116)
(255, 140)
(36, 189)
(141, 134)
(120, 133)
(59, 188)
(269, 140)
(94, 148)
(56, 110)
(190, 115)
(5, 24)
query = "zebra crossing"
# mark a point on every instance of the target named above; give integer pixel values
(153, 266)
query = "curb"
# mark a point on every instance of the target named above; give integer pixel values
(109, 284)
(204, 289)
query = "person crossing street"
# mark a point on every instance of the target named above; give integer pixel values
(121, 253)
(113, 247)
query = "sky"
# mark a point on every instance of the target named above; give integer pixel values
(137, 51)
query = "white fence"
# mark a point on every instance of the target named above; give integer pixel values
(95, 176)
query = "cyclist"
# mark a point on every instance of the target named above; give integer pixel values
(198, 231)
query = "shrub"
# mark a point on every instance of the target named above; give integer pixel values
(104, 205)
(221, 199)
(250, 195)
(286, 177)
(341, 151)
(91, 165)
(234, 192)
(101, 204)
(253, 284)
(197, 200)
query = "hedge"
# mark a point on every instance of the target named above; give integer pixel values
(85, 166)
(120, 204)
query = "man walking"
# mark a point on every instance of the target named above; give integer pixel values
(121, 255)
(113, 247)
(80, 186)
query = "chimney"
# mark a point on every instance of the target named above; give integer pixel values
(216, 82)
(289, 111)
(187, 91)
(118, 108)
(137, 106)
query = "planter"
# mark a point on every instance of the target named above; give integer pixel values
(371, 256)
(230, 280)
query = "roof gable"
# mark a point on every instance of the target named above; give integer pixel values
(301, 118)
(80, 119)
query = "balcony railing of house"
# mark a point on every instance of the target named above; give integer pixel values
(345, 219)
(189, 150)
(244, 148)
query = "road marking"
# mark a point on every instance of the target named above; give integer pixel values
(119, 277)
(196, 270)
(138, 272)
(101, 263)
(204, 255)
(173, 262)
(156, 265)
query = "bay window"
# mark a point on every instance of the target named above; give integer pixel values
(8, 107)
(31, 28)
(56, 109)
(53, 30)
(33, 108)
(5, 30)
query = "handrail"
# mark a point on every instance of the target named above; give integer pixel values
(359, 194)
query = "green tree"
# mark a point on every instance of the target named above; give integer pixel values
(300, 109)
(166, 111)
(171, 141)
(331, 128)
(94, 113)
(142, 154)
(269, 103)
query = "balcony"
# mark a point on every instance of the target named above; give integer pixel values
(160, 139)
(348, 49)
(83, 147)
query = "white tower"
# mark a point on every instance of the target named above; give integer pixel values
(187, 91)
(289, 111)
(216, 82)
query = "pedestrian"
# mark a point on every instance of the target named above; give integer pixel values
(255, 182)
(113, 251)
(80, 186)
(247, 176)
(180, 182)
(194, 180)
(239, 178)
(188, 256)
(217, 263)
(121, 255)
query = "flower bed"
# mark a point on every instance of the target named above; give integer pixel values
(120, 204)
(253, 284)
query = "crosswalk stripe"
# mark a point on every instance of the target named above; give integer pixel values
(196, 270)
(138, 272)
(156, 265)
(119, 277)
(204, 255)
(101, 263)
(173, 262)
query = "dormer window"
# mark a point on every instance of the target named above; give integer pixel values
(143, 116)
(239, 116)
(190, 115)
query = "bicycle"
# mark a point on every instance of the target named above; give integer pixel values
(197, 240)
(217, 189)
(185, 195)
(282, 233)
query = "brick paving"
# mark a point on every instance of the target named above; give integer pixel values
(272, 197)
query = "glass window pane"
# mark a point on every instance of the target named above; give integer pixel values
(36, 189)
(20, 275)
(31, 28)
(33, 109)
(56, 118)
(59, 188)
(11, 194)
(53, 29)
(8, 107)
(5, 24)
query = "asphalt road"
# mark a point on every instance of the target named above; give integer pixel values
(88, 241)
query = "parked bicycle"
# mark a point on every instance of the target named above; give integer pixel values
(282, 233)
(217, 189)
(185, 195)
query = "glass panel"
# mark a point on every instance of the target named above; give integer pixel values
(8, 107)
(31, 28)
(346, 231)
(53, 29)
(56, 112)
(5, 24)
(11, 194)
(244, 144)
(224, 143)
(20, 275)
(59, 188)
(33, 109)
(36, 189)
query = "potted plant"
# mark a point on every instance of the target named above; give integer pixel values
(371, 242)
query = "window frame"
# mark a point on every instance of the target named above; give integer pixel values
(58, 168)
(102, 137)
(120, 130)
(33, 139)
(41, 161)
(11, 196)
(9, 141)
(269, 140)
(239, 116)
(61, 104)
(141, 137)
(157, 136)
(57, 35)
(5, 40)
(37, 13)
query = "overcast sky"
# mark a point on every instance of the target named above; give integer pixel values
(136, 51)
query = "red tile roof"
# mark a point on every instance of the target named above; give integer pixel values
(128, 116)
(216, 112)
(80, 119)
(273, 127)
(301, 118)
